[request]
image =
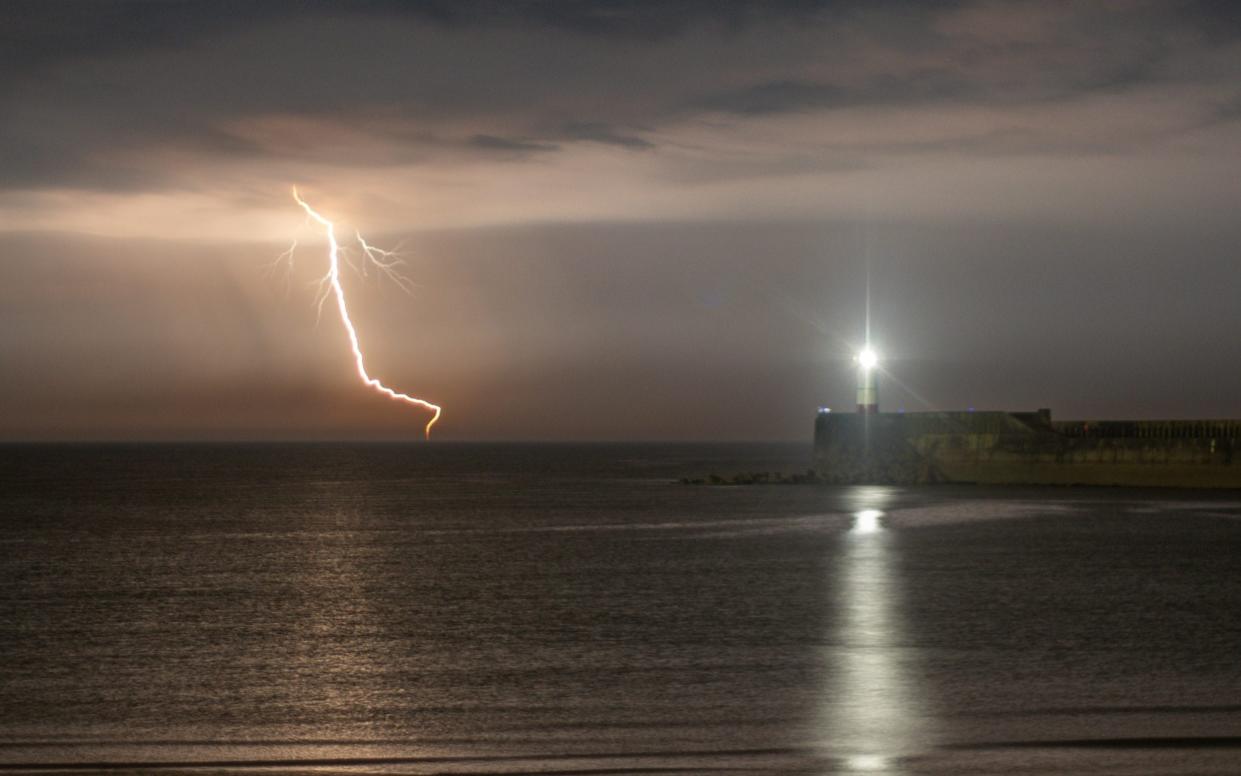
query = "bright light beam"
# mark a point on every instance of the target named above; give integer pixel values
(386, 261)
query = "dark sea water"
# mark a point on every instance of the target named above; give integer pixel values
(569, 609)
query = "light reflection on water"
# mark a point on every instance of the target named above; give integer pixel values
(873, 709)
(867, 521)
(514, 610)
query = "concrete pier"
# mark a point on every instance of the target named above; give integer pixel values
(1025, 448)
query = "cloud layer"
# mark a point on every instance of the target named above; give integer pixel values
(645, 110)
(629, 220)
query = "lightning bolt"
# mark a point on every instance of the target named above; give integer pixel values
(386, 261)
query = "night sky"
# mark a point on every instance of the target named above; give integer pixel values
(647, 220)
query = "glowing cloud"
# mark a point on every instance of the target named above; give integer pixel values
(385, 261)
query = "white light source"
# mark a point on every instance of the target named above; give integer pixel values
(868, 358)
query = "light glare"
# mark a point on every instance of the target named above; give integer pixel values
(868, 359)
(866, 521)
(867, 762)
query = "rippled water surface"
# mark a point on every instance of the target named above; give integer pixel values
(535, 609)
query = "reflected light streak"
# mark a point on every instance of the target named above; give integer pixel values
(384, 261)
(873, 711)
(866, 521)
(868, 762)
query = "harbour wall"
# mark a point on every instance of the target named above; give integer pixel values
(1025, 448)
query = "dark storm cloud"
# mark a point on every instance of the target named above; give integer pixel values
(93, 91)
(641, 19)
(37, 33)
(915, 89)
(493, 143)
(600, 132)
(783, 96)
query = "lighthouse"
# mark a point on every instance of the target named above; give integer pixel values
(867, 382)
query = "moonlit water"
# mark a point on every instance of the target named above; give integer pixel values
(457, 608)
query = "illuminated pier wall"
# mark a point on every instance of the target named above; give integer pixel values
(1025, 448)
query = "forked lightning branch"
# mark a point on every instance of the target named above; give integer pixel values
(387, 263)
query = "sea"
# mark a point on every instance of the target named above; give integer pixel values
(544, 609)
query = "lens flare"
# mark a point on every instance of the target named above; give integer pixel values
(385, 261)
